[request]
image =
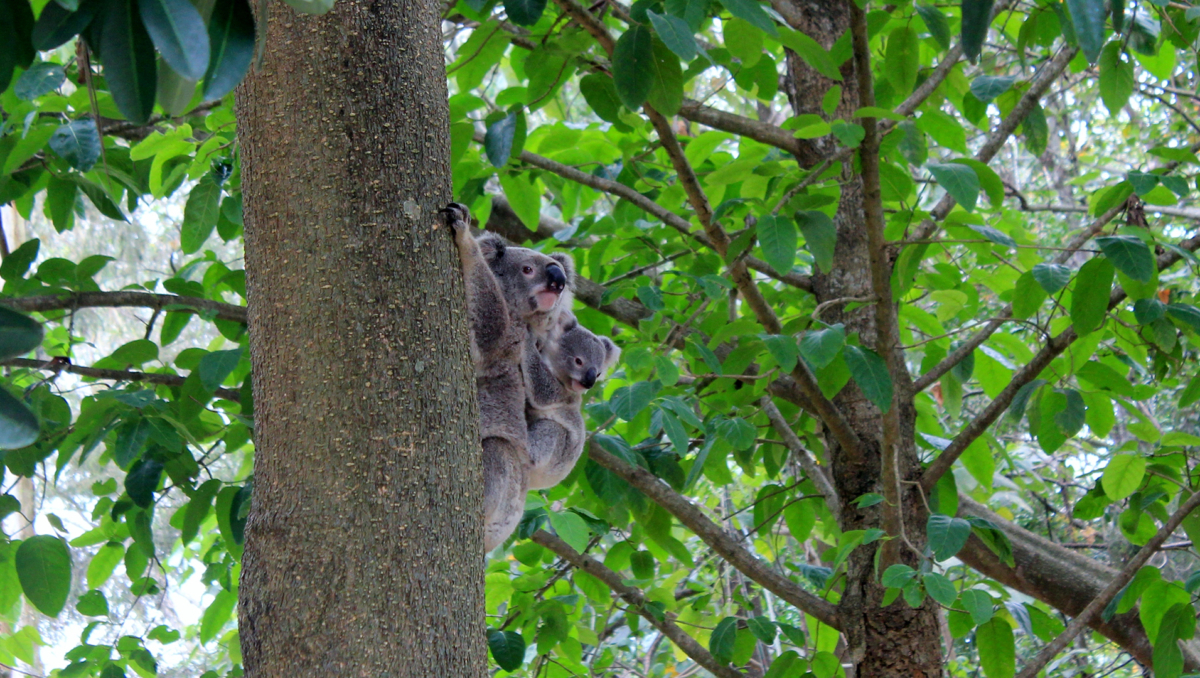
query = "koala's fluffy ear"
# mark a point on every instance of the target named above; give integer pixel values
(492, 246)
(568, 265)
(611, 352)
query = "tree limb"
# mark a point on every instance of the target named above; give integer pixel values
(112, 375)
(818, 475)
(125, 299)
(636, 600)
(712, 534)
(1114, 587)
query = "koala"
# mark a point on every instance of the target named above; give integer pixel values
(568, 363)
(506, 287)
(532, 281)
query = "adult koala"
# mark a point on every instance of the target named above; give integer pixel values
(507, 289)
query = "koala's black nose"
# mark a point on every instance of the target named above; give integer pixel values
(556, 279)
(589, 379)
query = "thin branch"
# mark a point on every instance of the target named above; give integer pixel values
(1181, 212)
(637, 601)
(818, 475)
(1053, 348)
(721, 542)
(125, 299)
(1114, 587)
(112, 375)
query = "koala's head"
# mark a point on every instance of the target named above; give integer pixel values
(576, 356)
(532, 282)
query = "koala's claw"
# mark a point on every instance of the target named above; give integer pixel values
(455, 214)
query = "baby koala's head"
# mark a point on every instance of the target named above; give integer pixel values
(575, 355)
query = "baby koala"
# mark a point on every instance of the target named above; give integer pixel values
(568, 362)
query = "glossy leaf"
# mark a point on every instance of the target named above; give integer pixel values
(870, 373)
(1129, 255)
(129, 59)
(777, 235)
(44, 569)
(77, 142)
(675, 34)
(1088, 17)
(947, 535)
(959, 181)
(231, 35)
(179, 33)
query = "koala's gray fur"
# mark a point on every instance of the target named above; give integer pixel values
(505, 289)
(568, 363)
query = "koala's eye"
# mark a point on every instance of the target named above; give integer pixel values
(579, 362)
(527, 270)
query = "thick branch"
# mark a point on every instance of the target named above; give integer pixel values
(112, 375)
(158, 302)
(1060, 578)
(721, 542)
(1083, 619)
(636, 600)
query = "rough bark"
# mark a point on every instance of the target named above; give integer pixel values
(364, 545)
(896, 640)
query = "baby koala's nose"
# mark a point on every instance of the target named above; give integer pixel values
(556, 279)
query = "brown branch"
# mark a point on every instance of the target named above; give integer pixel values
(818, 475)
(637, 601)
(1181, 212)
(1114, 587)
(757, 130)
(721, 542)
(125, 299)
(1041, 82)
(112, 375)
(1053, 348)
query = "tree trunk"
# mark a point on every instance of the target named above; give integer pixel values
(363, 552)
(882, 641)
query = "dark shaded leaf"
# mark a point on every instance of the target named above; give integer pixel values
(976, 17)
(1129, 255)
(960, 181)
(57, 25)
(1088, 17)
(507, 648)
(820, 236)
(179, 33)
(524, 12)
(129, 59)
(675, 34)
(870, 373)
(77, 142)
(633, 72)
(200, 214)
(44, 570)
(936, 22)
(19, 334)
(947, 535)
(750, 11)
(231, 34)
(41, 78)
(142, 481)
(1052, 277)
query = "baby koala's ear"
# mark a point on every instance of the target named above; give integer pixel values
(611, 352)
(492, 246)
(568, 265)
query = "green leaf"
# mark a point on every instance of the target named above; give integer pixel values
(1116, 77)
(1186, 314)
(744, 42)
(777, 236)
(1089, 300)
(231, 35)
(18, 424)
(41, 78)
(870, 373)
(1071, 418)
(1027, 297)
(1088, 17)
(16, 264)
(104, 563)
(737, 432)
(976, 17)
(978, 604)
(142, 481)
(1179, 623)
(77, 142)
(92, 604)
(820, 236)
(99, 198)
(785, 665)
(129, 60)
(722, 640)
(1036, 130)
(936, 22)
(897, 576)
(1052, 277)
(200, 214)
(633, 69)
(197, 510)
(762, 628)
(1129, 255)
(57, 24)
(216, 615)
(675, 34)
(1123, 475)
(524, 12)
(1191, 393)
(959, 181)
(995, 235)
(902, 59)
(570, 528)
(997, 650)
(988, 87)
(44, 570)
(752, 12)
(811, 52)
(821, 347)
(947, 535)
(940, 588)
(601, 96)
(895, 183)
(630, 400)
(19, 334)
(178, 32)
(783, 348)
(666, 94)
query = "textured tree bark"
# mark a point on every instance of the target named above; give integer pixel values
(363, 552)
(881, 641)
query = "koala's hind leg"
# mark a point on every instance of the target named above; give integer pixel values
(505, 481)
(553, 450)
(486, 308)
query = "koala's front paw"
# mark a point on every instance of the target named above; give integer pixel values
(456, 216)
